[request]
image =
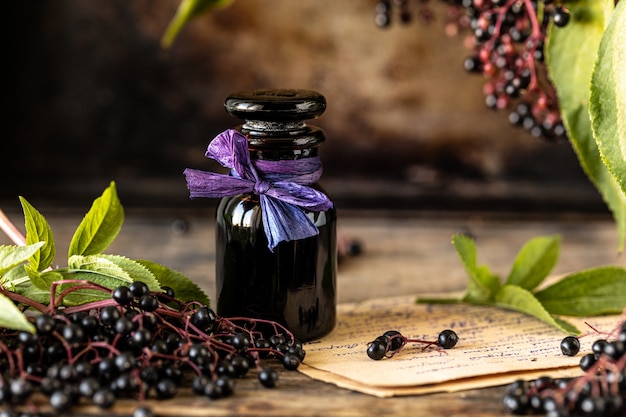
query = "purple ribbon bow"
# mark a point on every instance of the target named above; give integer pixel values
(282, 186)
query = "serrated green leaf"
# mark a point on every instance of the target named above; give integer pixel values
(184, 288)
(38, 230)
(590, 292)
(100, 225)
(187, 10)
(482, 284)
(518, 299)
(570, 55)
(608, 96)
(11, 256)
(534, 262)
(12, 317)
(112, 270)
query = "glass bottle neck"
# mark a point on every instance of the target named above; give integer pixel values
(282, 140)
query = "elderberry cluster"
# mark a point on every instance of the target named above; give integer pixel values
(600, 391)
(137, 344)
(507, 39)
(392, 341)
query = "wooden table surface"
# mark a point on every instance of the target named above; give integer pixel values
(403, 253)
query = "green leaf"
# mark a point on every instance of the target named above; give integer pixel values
(36, 278)
(570, 55)
(12, 317)
(534, 262)
(11, 256)
(112, 270)
(482, 283)
(590, 292)
(518, 299)
(608, 96)
(184, 288)
(38, 230)
(100, 225)
(187, 10)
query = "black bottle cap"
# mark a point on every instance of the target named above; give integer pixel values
(275, 105)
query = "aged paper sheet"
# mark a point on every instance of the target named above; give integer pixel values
(495, 347)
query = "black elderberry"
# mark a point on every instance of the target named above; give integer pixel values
(107, 369)
(21, 389)
(560, 16)
(143, 412)
(240, 341)
(67, 373)
(614, 349)
(27, 338)
(149, 375)
(212, 391)
(109, 315)
(141, 337)
(73, 333)
(598, 346)
(166, 388)
(199, 354)
(148, 302)
(139, 289)
(225, 384)
(172, 372)
(291, 361)
(204, 318)
(395, 339)
(277, 339)
(377, 350)
(268, 377)
(44, 324)
(515, 404)
(263, 347)
(122, 295)
(124, 326)
(447, 339)
(570, 346)
(168, 294)
(241, 365)
(88, 386)
(103, 398)
(226, 368)
(60, 400)
(199, 383)
(89, 324)
(587, 361)
(125, 361)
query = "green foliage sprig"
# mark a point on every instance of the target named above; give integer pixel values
(595, 291)
(27, 270)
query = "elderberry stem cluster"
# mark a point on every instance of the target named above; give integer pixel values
(135, 344)
(392, 341)
(507, 39)
(600, 391)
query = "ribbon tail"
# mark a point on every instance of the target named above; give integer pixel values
(212, 185)
(300, 195)
(284, 222)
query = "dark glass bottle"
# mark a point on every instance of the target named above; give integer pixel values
(295, 284)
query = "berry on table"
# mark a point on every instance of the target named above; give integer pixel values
(570, 346)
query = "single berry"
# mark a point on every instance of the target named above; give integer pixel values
(139, 288)
(376, 350)
(396, 339)
(447, 339)
(268, 377)
(122, 295)
(570, 346)
(148, 302)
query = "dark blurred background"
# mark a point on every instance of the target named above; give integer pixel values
(90, 97)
